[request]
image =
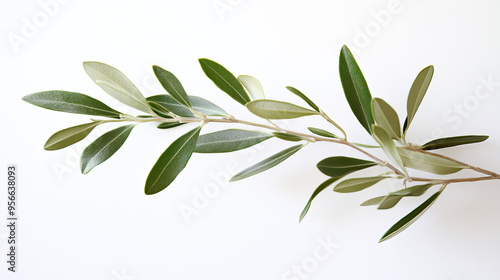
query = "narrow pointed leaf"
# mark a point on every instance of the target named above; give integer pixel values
(71, 102)
(386, 117)
(355, 88)
(229, 140)
(366, 146)
(409, 219)
(104, 147)
(198, 104)
(273, 109)
(167, 125)
(116, 84)
(390, 149)
(319, 189)
(69, 136)
(171, 162)
(304, 97)
(253, 86)
(429, 163)
(267, 163)
(341, 166)
(453, 141)
(373, 201)
(172, 85)
(159, 109)
(357, 184)
(417, 92)
(287, 137)
(322, 132)
(224, 80)
(393, 198)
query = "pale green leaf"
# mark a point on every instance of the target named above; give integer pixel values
(171, 162)
(69, 136)
(373, 201)
(71, 102)
(322, 132)
(429, 163)
(253, 86)
(417, 93)
(267, 163)
(393, 198)
(272, 109)
(116, 84)
(390, 149)
(287, 136)
(357, 184)
(229, 140)
(386, 117)
(104, 147)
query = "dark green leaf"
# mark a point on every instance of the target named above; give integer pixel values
(409, 219)
(341, 166)
(417, 92)
(172, 85)
(229, 140)
(104, 147)
(224, 80)
(453, 141)
(171, 162)
(116, 84)
(373, 201)
(304, 97)
(266, 164)
(429, 163)
(320, 188)
(166, 125)
(272, 109)
(69, 136)
(198, 104)
(159, 110)
(386, 117)
(71, 102)
(253, 86)
(355, 89)
(390, 149)
(322, 132)
(357, 184)
(287, 137)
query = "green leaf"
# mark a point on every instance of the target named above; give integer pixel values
(167, 125)
(287, 137)
(224, 80)
(322, 132)
(172, 85)
(116, 84)
(453, 141)
(373, 201)
(409, 219)
(320, 188)
(104, 147)
(71, 102)
(386, 117)
(198, 104)
(272, 109)
(366, 146)
(341, 166)
(266, 164)
(229, 140)
(355, 89)
(390, 149)
(171, 162)
(69, 136)
(357, 184)
(253, 86)
(417, 92)
(304, 97)
(159, 110)
(429, 163)
(393, 198)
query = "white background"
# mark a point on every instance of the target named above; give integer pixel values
(102, 226)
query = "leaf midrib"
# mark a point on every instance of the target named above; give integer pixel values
(229, 84)
(105, 146)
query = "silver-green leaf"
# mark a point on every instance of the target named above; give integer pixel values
(198, 104)
(417, 93)
(386, 117)
(116, 84)
(253, 86)
(171, 162)
(390, 149)
(273, 109)
(104, 147)
(229, 140)
(69, 136)
(357, 184)
(429, 163)
(266, 164)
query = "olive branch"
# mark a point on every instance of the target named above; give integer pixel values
(177, 108)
